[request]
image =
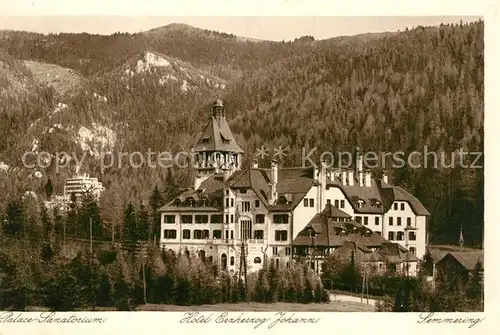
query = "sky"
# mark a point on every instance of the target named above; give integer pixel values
(262, 19)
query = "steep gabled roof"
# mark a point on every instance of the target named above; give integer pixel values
(400, 194)
(468, 259)
(217, 136)
(327, 226)
(378, 191)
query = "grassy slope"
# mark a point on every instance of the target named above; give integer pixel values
(61, 79)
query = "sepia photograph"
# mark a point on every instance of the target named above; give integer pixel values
(241, 164)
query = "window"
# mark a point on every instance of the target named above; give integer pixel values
(275, 251)
(231, 262)
(186, 219)
(245, 229)
(408, 221)
(337, 203)
(201, 218)
(379, 233)
(206, 234)
(227, 234)
(217, 233)
(306, 202)
(198, 234)
(227, 218)
(232, 202)
(258, 234)
(232, 218)
(280, 235)
(170, 234)
(328, 201)
(391, 236)
(377, 221)
(399, 221)
(245, 206)
(232, 234)
(186, 234)
(357, 219)
(403, 206)
(412, 236)
(342, 203)
(169, 219)
(257, 260)
(260, 218)
(215, 218)
(365, 220)
(257, 203)
(395, 206)
(227, 202)
(413, 250)
(288, 251)
(391, 221)
(280, 218)
(227, 192)
(311, 202)
(400, 236)
(243, 190)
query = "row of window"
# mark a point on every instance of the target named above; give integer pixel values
(198, 234)
(397, 205)
(337, 203)
(400, 236)
(308, 202)
(217, 218)
(245, 205)
(364, 220)
(398, 221)
(288, 251)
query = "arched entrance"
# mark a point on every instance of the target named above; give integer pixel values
(223, 259)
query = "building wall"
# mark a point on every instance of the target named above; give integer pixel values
(419, 222)
(302, 214)
(335, 193)
(421, 226)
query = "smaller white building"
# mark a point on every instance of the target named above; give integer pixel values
(81, 184)
(78, 185)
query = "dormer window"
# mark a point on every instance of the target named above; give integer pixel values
(177, 202)
(191, 202)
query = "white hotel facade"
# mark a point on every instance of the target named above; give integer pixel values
(267, 208)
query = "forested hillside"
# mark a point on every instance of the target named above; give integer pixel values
(382, 92)
(422, 87)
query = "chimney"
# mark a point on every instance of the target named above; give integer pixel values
(344, 177)
(351, 177)
(359, 160)
(368, 179)
(385, 178)
(255, 164)
(322, 187)
(274, 181)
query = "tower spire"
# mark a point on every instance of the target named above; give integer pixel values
(461, 238)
